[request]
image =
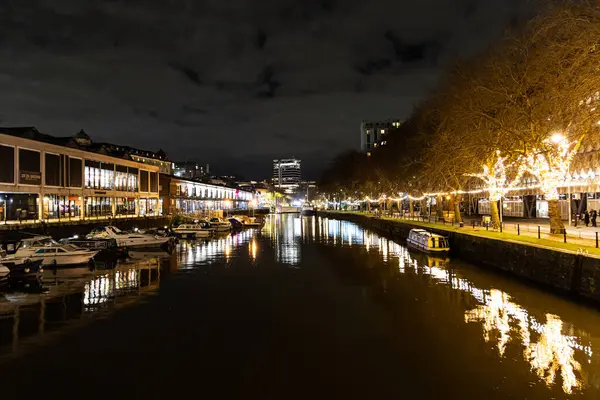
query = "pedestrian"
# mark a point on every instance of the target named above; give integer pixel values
(586, 218)
(594, 216)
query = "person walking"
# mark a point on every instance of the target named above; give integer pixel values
(586, 218)
(594, 216)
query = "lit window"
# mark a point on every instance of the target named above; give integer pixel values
(369, 154)
(383, 131)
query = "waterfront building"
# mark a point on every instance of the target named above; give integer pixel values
(374, 134)
(287, 174)
(46, 178)
(190, 197)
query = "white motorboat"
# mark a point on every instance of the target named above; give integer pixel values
(193, 230)
(427, 241)
(49, 251)
(63, 255)
(220, 225)
(129, 240)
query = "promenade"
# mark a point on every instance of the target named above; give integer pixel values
(578, 238)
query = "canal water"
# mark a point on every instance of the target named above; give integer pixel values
(305, 308)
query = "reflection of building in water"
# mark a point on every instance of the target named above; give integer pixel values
(202, 252)
(285, 232)
(549, 352)
(71, 301)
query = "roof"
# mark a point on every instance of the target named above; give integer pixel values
(81, 140)
(426, 233)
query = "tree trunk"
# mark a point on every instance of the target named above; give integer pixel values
(494, 214)
(457, 216)
(398, 205)
(556, 224)
(368, 205)
(439, 207)
(411, 208)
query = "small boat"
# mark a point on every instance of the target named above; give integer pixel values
(49, 251)
(129, 240)
(24, 270)
(219, 225)
(249, 222)
(308, 210)
(285, 210)
(193, 230)
(427, 241)
(236, 224)
(63, 255)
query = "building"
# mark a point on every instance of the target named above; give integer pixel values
(374, 133)
(46, 178)
(287, 174)
(189, 197)
(189, 170)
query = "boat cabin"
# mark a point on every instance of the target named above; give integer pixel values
(428, 241)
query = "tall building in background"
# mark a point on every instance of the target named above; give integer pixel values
(190, 170)
(286, 174)
(374, 133)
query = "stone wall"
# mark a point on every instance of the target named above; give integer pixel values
(563, 271)
(68, 229)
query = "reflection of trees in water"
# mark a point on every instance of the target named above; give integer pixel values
(549, 352)
(552, 354)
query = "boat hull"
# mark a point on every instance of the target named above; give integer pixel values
(430, 250)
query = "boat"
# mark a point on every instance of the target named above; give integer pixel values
(23, 270)
(129, 240)
(49, 251)
(199, 230)
(249, 222)
(220, 225)
(236, 224)
(62, 255)
(4, 274)
(285, 210)
(308, 210)
(423, 240)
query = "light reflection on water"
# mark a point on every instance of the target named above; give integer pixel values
(551, 350)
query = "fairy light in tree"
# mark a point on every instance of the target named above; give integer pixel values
(496, 177)
(551, 163)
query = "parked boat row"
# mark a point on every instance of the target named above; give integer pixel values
(205, 228)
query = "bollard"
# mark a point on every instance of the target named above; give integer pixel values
(500, 227)
(473, 223)
(487, 226)
(538, 232)
(565, 235)
(518, 229)
(596, 239)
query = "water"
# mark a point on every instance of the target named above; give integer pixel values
(307, 307)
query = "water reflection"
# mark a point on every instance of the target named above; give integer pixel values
(207, 251)
(551, 350)
(69, 298)
(285, 233)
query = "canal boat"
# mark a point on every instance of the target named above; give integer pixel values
(423, 240)
(191, 231)
(249, 222)
(220, 225)
(129, 240)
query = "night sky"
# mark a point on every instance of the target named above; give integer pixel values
(232, 83)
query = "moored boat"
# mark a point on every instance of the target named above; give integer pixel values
(190, 231)
(427, 241)
(308, 210)
(129, 240)
(220, 225)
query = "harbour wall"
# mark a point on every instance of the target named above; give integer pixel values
(562, 271)
(70, 228)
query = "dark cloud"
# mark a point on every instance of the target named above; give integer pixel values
(234, 83)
